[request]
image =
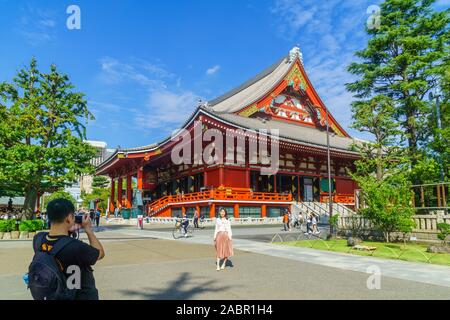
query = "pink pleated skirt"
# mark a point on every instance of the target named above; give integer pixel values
(224, 246)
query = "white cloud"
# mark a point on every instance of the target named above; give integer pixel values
(329, 32)
(213, 70)
(48, 23)
(37, 26)
(168, 105)
(167, 109)
(115, 72)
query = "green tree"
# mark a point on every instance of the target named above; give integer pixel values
(98, 194)
(376, 116)
(41, 146)
(404, 60)
(100, 182)
(60, 194)
(388, 204)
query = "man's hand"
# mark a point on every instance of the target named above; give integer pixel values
(86, 223)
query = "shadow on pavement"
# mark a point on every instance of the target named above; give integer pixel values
(178, 289)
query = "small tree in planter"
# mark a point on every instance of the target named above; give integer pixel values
(444, 229)
(388, 204)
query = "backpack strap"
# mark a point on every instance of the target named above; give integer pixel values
(38, 240)
(59, 245)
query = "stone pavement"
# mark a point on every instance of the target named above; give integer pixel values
(419, 272)
(149, 264)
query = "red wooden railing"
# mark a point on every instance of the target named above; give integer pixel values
(340, 198)
(231, 194)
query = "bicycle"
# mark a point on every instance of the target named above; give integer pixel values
(178, 230)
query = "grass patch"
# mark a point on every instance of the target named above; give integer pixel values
(409, 252)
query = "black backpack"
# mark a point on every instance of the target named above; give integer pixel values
(46, 280)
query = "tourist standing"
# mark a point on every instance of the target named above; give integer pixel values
(97, 218)
(286, 220)
(196, 215)
(223, 239)
(314, 224)
(308, 224)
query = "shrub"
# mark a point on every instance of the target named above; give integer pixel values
(26, 225)
(38, 225)
(31, 225)
(388, 204)
(444, 229)
(7, 225)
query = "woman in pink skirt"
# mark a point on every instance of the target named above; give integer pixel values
(222, 239)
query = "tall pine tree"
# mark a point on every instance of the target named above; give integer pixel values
(404, 61)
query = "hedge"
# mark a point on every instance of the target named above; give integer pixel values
(7, 225)
(31, 225)
(25, 225)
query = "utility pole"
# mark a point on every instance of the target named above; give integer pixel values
(439, 126)
(330, 193)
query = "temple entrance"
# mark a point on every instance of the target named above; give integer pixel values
(308, 189)
(280, 183)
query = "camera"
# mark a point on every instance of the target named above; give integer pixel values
(79, 218)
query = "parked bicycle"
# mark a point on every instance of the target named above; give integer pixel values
(179, 230)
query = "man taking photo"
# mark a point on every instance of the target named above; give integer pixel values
(69, 253)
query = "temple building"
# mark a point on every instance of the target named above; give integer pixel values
(280, 99)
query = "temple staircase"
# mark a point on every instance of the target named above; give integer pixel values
(320, 209)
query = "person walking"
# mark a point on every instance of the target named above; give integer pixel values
(97, 218)
(223, 239)
(286, 220)
(314, 224)
(308, 224)
(196, 215)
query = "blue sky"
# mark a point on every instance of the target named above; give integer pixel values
(144, 64)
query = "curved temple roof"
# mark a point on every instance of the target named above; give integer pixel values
(226, 108)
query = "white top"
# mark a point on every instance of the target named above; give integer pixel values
(222, 225)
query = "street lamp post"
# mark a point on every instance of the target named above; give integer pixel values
(330, 193)
(439, 126)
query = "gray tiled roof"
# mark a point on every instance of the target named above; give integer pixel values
(298, 133)
(252, 90)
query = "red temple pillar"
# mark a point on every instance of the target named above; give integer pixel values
(119, 192)
(247, 178)
(129, 194)
(112, 196)
(212, 211)
(221, 176)
(264, 211)
(236, 210)
(140, 176)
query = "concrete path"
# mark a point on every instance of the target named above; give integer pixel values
(149, 264)
(419, 272)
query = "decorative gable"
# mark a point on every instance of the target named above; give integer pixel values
(293, 100)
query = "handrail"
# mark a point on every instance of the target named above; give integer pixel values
(218, 194)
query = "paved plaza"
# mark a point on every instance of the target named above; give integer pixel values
(149, 264)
